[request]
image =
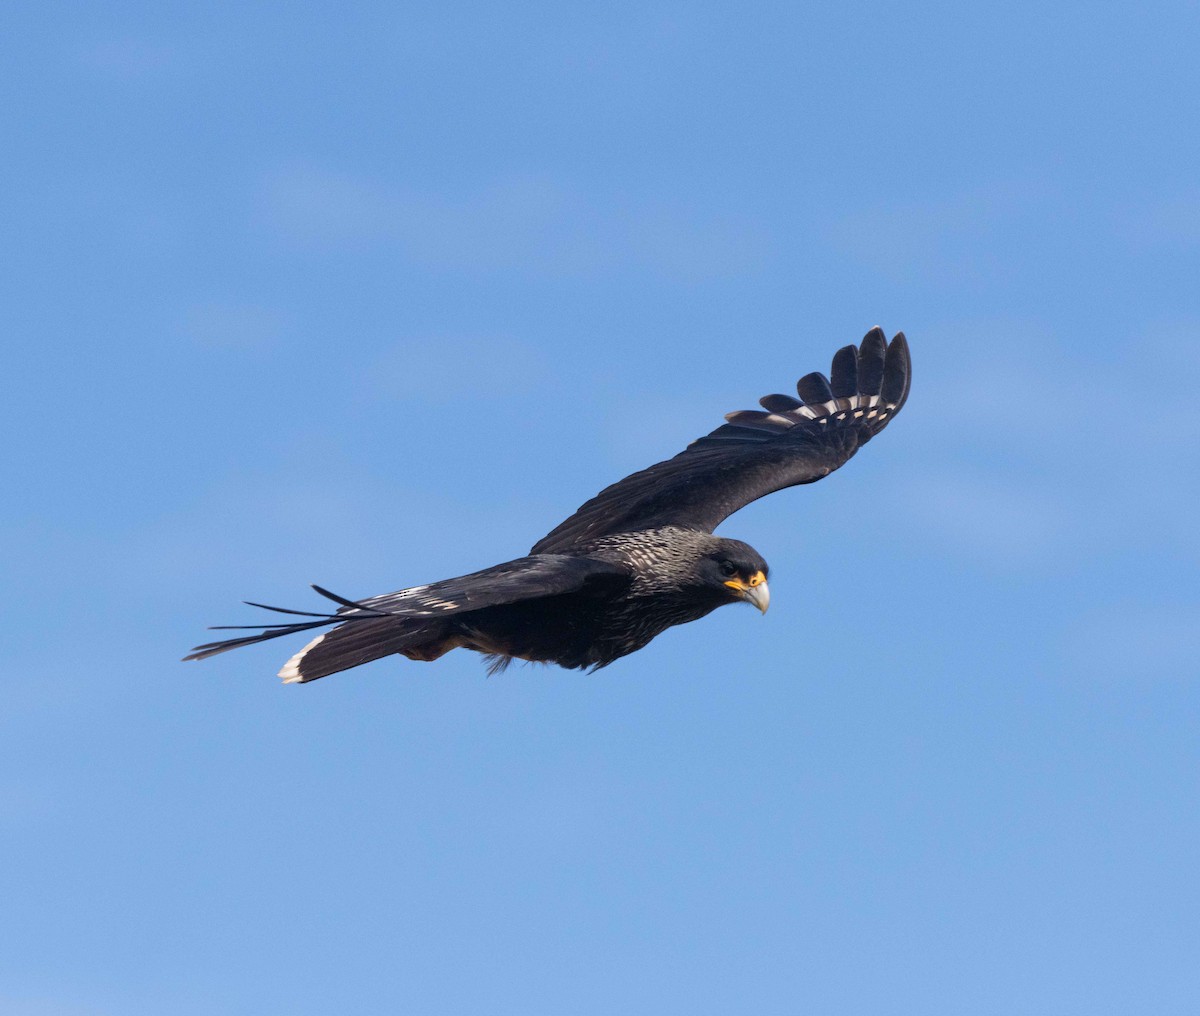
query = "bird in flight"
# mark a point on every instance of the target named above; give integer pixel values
(633, 561)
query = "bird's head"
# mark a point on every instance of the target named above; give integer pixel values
(738, 571)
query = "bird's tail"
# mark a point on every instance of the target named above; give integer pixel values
(356, 642)
(360, 634)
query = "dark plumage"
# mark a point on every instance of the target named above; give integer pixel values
(637, 558)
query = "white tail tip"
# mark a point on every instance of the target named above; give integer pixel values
(291, 670)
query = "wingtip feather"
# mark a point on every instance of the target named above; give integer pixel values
(897, 372)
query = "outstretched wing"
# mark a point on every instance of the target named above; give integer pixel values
(791, 441)
(527, 578)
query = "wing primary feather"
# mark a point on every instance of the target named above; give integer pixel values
(843, 380)
(213, 648)
(814, 388)
(264, 627)
(870, 362)
(779, 403)
(285, 610)
(896, 371)
(351, 603)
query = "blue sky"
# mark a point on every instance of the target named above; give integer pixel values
(370, 295)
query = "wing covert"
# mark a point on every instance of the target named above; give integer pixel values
(755, 452)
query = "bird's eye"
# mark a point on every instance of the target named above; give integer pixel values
(728, 568)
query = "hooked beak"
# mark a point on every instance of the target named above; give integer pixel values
(755, 591)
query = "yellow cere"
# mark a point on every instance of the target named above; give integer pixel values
(757, 579)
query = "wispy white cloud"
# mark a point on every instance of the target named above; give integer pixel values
(950, 237)
(1170, 222)
(1029, 451)
(1007, 378)
(317, 520)
(1002, 524)
(457, 369)
(521, 223)
(1105, 437)
(1136, 641)
(264, 522)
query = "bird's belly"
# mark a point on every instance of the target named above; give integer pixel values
(545, 631)
(570, 631)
